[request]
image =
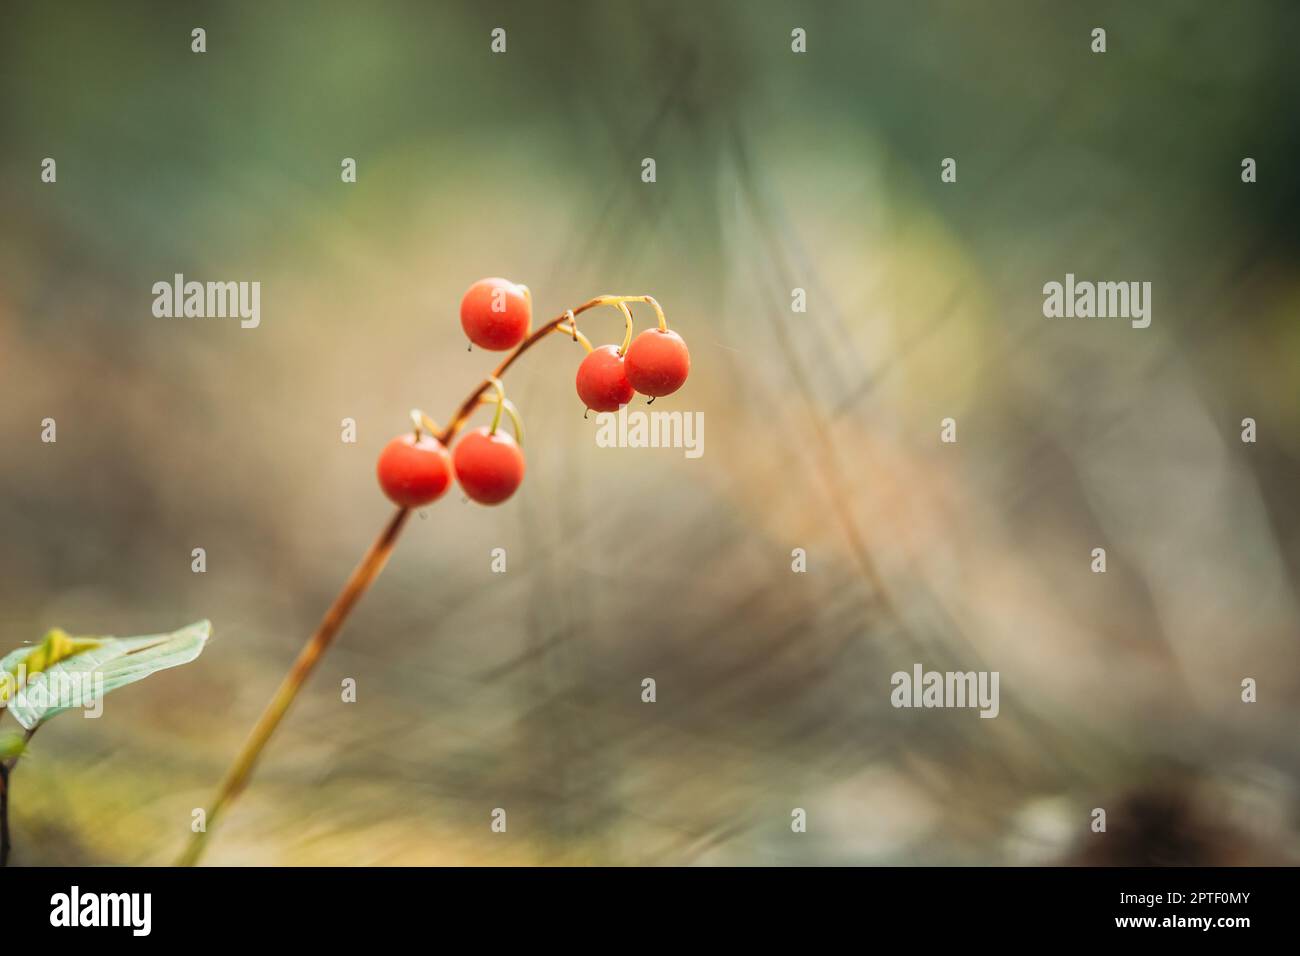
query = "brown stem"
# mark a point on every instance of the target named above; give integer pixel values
(237, 777)
(362, 577)
(4, 815)
(467, 407)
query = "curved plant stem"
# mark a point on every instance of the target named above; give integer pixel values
(471, 401)
(356, 585)
(516, 422)
(360, 580)
(500, 403)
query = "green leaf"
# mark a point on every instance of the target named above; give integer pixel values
(63, 672)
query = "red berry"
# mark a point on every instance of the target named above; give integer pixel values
(602, 382)
(657, 362)
(414, 473)
(489, 466)
(495, 314)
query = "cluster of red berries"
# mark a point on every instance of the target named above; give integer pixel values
(654, 363)
(416, 469)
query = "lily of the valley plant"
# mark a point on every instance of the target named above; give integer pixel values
(417, 467)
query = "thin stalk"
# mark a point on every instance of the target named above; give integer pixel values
(4, 815)
(6, 773)
(357, 584)
(471, 401)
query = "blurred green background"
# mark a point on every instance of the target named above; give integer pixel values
(775, 171)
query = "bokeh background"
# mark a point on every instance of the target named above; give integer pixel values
(775, 171)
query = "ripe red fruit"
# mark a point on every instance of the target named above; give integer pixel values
(602, 381)
(657, 362)
(414, 473)
(495, 314)
(489, 466)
